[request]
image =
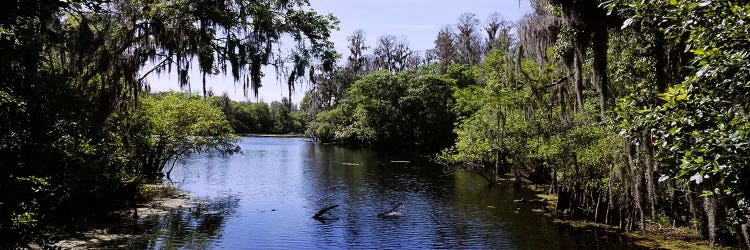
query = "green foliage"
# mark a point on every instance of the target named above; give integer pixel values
(261, 118)
(704, 127)
(386, 108)
(700, 124)
(178, 125)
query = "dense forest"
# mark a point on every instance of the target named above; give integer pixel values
(634, 113)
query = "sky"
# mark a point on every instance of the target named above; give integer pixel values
(418, 21)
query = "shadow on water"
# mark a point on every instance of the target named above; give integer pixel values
(191, 227)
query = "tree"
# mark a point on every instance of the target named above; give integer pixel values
(383, 108)
(391, 54)
(498, 33)
(588, 19)
(538, 32)
(356, 61)
(445, 48)
(700, 123)
(281, 115)
(178, 125)
(469, 44)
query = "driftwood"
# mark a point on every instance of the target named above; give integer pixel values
(389, 212)
(319, 214)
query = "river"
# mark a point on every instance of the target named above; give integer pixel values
(265, 198)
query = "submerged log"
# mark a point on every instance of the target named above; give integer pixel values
(391, 212)
(319, 214)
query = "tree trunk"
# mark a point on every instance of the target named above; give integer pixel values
(563, 112)
(637, 179)
(745, 231)
(596, 208)
(712, 226)
(650, 176)
(497, 164)
(627, 183)
(610, 196)
(600, 44)
(205, 94)
(578, 75)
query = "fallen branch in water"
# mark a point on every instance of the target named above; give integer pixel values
(319, 214)
(488, 179)
(390, 211)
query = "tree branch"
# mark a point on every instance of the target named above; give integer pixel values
(552, 84)
(159, 65)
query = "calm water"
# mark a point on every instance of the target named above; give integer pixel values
(265, 199)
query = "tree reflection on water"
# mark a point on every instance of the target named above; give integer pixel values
(191, 227)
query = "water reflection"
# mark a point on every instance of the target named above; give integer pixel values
(279, 184)
(193, 227)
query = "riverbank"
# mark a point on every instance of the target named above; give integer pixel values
(655, 236)
(122, 228)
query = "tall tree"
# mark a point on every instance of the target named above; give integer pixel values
(498, 32)
(538, 32)
(468, 39)
(391, 54)
(357, 47)
(445, 46)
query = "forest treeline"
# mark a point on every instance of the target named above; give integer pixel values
(634, 112)
(80, 133)
(277, 117)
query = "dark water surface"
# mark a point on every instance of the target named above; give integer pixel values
(265, 199)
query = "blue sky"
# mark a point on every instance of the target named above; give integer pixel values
(418, 21)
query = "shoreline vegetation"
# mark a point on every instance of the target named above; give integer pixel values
(655, 236)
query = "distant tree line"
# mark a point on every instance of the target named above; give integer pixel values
(262, 118)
